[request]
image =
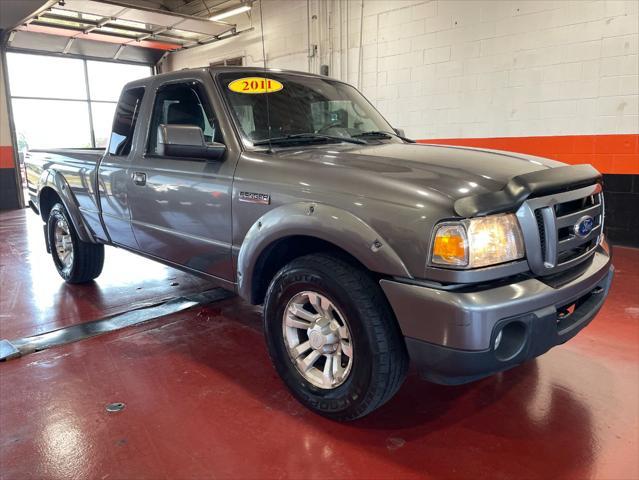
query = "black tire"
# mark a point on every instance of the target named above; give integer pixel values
(88, 258)
(380, 360)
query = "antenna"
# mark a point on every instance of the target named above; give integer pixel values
(268, 110)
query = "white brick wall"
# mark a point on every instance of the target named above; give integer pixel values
(463, 68)
(285, 33)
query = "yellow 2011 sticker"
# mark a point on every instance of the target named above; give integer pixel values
(252, 85)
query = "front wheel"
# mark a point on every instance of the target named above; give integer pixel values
(333, 338)
(75, 260)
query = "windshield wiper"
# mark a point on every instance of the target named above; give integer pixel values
(307, 137)
(380, 133)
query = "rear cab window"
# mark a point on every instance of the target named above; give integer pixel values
(126, 116)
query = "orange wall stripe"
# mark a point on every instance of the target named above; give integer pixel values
(6, 157)
(607, 153)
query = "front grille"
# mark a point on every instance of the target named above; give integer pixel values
(562, 230)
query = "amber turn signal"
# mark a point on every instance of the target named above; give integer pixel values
(450, 246)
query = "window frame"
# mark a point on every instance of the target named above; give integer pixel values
(147, 152)
(134, 119)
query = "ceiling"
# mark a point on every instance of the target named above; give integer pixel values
(205, 8)
(133, 30)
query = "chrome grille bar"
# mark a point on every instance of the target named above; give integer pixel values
(572, 218)
(552, 244)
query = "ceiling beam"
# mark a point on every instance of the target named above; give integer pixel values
(135, 32)
(132, 38)
(98, 24)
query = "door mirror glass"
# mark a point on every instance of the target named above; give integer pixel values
(186, 141)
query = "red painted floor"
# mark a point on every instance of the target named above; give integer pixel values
(202, 400)
(34, 300)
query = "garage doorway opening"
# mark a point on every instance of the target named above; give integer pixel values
(61, 102)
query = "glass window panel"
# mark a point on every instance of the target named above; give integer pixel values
(182, 104)
(130, 23)
(52, 123)
(106, 79)
(119, 31)
(68, 13)
(125, 120)
(102, 122)
(45, 76)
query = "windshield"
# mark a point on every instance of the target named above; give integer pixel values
(302, 107)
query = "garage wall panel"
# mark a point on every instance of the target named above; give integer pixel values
(459, 69)
(490, 69)
(557, 78)
(285, 34)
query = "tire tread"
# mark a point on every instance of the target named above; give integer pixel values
(88, 257)
(392, 358)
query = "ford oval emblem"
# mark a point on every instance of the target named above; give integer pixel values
(584, 226)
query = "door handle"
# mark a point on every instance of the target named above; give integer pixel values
(139, 178)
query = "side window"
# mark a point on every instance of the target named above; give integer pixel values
(126, 116)
(182, 104)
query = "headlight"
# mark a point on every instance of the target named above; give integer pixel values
(478, 242)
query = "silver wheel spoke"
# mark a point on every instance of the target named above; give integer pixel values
(301, 348)
(347, 348)
(299, 311)
(344, 333)
(338, 370)
(320, 303)
(310, 360)
(328, 370)
(297, 323)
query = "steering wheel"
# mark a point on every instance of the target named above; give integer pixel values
(330, 125)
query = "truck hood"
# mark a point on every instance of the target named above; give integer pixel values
(448, 172)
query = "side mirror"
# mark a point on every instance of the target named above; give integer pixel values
(186, 141)
(400, 132)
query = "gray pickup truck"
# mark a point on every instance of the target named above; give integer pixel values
(366, 249)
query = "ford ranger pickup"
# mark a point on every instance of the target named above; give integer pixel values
(367, 250)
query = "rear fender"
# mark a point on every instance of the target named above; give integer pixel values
(333, 225)
(56, 181)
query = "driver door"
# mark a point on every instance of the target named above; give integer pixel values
(181, 207)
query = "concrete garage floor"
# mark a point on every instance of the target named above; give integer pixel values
(202, 400)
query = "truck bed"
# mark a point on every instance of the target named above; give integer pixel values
(76, 164)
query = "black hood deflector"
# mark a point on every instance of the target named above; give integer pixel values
(528, 185)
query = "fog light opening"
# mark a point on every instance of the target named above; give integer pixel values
(510, 340)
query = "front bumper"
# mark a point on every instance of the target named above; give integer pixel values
(450, 335)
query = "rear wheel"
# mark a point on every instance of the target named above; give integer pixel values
(75, 260)
(333, 338)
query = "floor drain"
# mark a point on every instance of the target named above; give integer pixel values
(115, 407)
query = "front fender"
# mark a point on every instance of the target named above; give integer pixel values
(321, 221)
(56, 181)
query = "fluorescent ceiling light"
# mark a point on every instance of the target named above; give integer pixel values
(230, 12)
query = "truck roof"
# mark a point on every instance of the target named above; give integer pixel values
(177, 74)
